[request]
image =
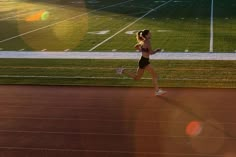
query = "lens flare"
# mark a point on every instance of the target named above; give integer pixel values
(54, 30)
(44, 15)
(35, 17)
(194, 128)
(40, 15)
(211, 139)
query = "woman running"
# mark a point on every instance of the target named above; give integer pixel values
(144, 46)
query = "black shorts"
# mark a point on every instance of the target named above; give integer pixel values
(143, 62)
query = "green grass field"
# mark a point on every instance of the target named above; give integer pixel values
(80, 25)
(203, 74)
(86, 25)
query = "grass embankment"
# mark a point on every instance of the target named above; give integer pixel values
(214, 74)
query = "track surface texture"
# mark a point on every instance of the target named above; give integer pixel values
(70, 121)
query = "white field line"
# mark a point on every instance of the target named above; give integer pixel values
(212, 27)
(129, 25)
(30, 12)
(104, 78)
(74, 17)
(110, 151)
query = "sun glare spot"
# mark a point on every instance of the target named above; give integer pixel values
(40, 15)
(194, 128)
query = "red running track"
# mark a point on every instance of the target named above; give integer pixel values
(66, 121)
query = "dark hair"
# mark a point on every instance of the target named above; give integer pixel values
(141, 35)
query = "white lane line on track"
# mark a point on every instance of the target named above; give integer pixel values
(110, 151)
(129, 25)
(107, 109)
(95, 77)
(109, 134)
(107, 120)
(212, 28)
(74, 17)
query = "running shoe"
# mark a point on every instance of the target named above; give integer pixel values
(160, 92)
